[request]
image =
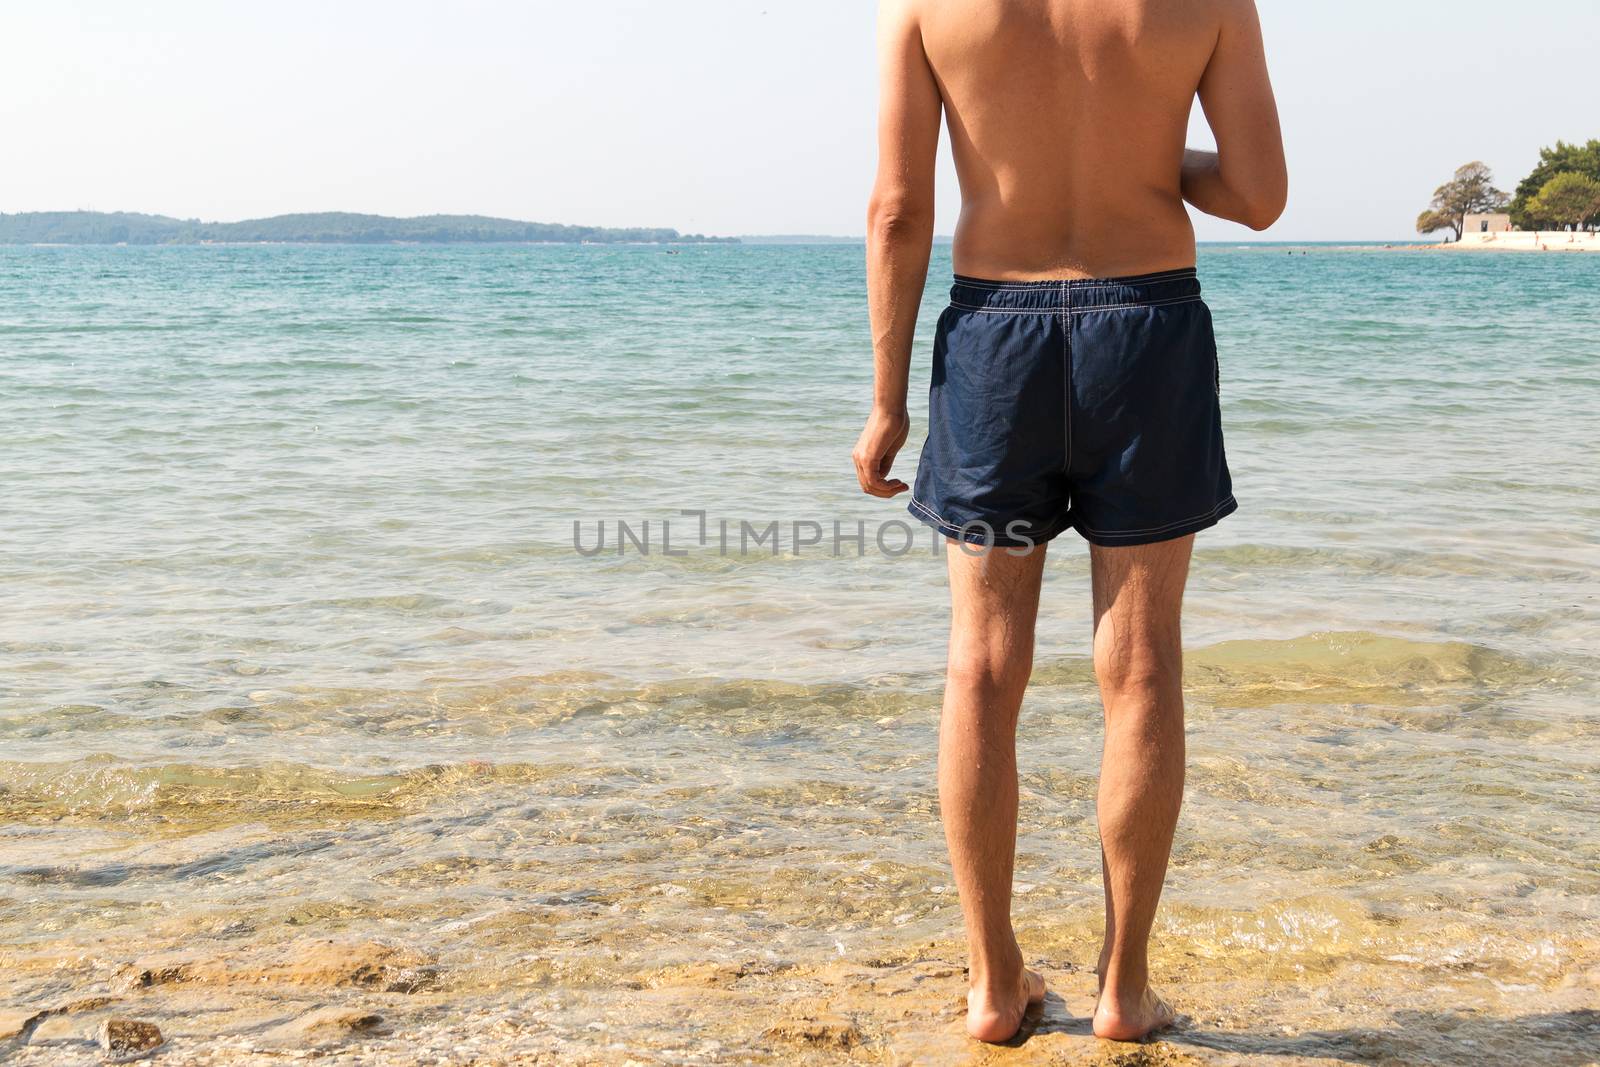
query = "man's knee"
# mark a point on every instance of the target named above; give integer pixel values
(1140, 676)
(990, 666)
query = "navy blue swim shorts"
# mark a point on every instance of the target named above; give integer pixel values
(1091, 404)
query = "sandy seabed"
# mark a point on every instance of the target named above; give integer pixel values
(372, 1001)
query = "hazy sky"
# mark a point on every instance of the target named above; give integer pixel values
(721, 116)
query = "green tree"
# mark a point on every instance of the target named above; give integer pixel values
(1433, 221)
(1568, 199)
(1471, 191)
(1562, 159)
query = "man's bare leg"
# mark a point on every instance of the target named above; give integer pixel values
(994, 599)
(1138, 660)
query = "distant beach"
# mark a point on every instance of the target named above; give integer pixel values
(1522, 241)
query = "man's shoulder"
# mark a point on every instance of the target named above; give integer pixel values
(1233, 11)
(906, 14)
(1201, 20)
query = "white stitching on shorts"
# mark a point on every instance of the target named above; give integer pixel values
(1162, 529)
(1072, 311)
(1036, 533)
(934, 515)
(946, 527)
(1138, 304)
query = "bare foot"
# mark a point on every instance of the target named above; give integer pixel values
(996, 1016)
(1118, 1019)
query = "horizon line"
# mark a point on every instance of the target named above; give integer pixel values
(796, 237)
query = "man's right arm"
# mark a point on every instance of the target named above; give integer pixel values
(899, 234)
(1245, 180)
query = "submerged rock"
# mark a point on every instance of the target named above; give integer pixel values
(21, 1027)
(16, 1023)
(127, 1039)
(821, 1031)
(324, 1026)
(132, 976)
(311, 962)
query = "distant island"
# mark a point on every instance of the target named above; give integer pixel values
(1555, 208)
(326, 227)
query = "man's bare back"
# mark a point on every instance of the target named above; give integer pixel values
(1067, 119)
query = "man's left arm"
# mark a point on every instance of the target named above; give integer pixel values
(899, 234)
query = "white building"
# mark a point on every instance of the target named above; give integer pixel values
(1496, 223)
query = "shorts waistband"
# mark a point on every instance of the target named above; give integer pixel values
(1076, 294)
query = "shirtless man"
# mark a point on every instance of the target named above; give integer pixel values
(1075, 386)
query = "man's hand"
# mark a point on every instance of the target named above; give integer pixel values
(880, 441)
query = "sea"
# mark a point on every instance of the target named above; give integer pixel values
(515, 609)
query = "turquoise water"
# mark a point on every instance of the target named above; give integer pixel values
(288, 542)
(344, 463)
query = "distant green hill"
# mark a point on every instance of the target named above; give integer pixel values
(87, 228)
(327, 227)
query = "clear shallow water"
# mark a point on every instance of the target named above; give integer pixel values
(295, 638)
